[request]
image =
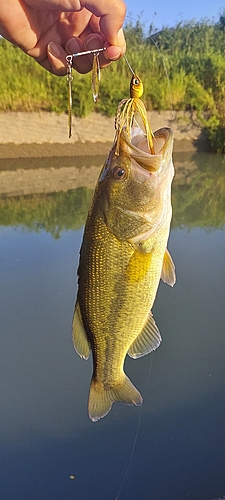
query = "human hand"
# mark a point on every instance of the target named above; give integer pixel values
(48, 30)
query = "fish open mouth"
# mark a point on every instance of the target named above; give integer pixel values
(138, 147)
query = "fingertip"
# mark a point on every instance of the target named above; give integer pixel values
(54, 49)
(57, 58)
(113, 53)
(120, 39)
(73, 45)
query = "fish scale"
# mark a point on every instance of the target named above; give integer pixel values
(122, 257)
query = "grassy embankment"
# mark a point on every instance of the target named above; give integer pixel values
(193, 54)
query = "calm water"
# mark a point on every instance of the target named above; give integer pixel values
(46, 436)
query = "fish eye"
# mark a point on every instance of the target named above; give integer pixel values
(119, 173)
(136, 81)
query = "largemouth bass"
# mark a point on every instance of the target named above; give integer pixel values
(122, 257)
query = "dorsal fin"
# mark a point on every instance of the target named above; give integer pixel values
(80, 339)
(168, 274)
(148, 340)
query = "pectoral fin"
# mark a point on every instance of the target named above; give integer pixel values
(148, 340)
(168, 269)
(80, 340)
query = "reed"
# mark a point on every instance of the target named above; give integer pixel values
(192, 53)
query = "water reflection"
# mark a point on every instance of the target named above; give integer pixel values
(46, 435)
(199, 191)
(198, 194)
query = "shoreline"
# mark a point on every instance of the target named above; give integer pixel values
(35, 135)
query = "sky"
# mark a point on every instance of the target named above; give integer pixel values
(169, 13)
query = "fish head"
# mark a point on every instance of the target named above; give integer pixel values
(136, 87)
(134, 188)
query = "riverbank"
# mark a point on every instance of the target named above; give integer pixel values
(33, 135)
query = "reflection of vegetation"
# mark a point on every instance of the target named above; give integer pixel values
(198, 200)
(193, 54)
(199, 194)
(53, 213)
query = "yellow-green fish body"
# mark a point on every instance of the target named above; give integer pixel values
(122, 258)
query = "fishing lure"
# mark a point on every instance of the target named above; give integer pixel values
(95, 78)
(127, 109)
(69, 60)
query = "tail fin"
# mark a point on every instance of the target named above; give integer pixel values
(101, 399)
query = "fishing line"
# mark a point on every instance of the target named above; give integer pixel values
(167, 77)
(163, 63)
(128, 64)
(137, 431)
(151, 359)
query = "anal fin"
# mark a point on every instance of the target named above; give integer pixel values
(148, 340)
(168, 269)
(80, 340)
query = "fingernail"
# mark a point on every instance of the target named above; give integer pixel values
(115, 53)
(54, 49)
(73, 46)
(94, 42)
(120, 38)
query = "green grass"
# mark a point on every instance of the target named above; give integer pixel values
(182, 68)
